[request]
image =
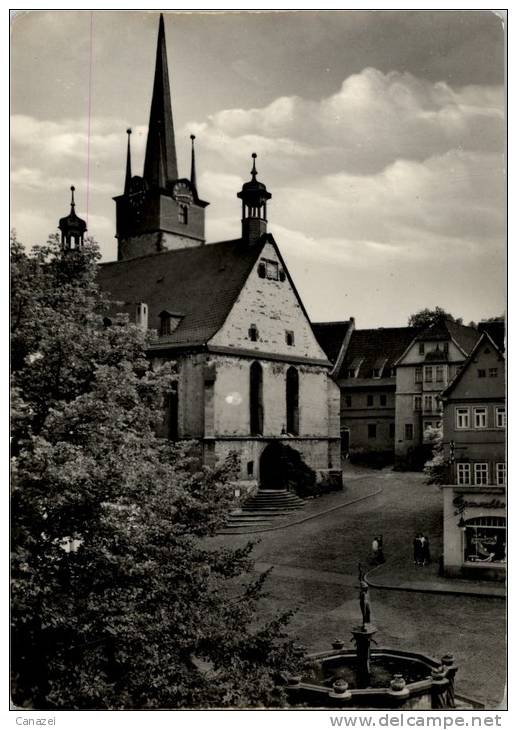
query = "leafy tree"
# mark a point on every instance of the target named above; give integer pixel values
(120, 599)
(427, 317)
(436, 468)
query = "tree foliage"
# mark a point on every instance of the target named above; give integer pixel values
(436, 468)
(120, 597)
(427, 317)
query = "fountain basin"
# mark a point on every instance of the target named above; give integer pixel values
(398, 679)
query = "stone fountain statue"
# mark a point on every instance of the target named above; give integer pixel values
(363, 635)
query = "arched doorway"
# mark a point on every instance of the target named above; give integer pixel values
(271, 467)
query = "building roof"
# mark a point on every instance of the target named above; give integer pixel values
(483, 338)
(370, 348)
(330, 336)
(201, 282)
(496, 330)
(445, 329)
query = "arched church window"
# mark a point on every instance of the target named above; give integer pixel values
(256, 404)
(292, 401)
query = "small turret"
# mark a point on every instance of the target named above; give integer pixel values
(72, 228)
(254, 196)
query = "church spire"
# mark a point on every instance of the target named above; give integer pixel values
(193, 163)
(160, 155)
(128, 164)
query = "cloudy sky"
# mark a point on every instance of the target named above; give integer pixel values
(379, 134)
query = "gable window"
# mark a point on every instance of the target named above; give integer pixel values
(408, 431)
(500, 417)
(492, 372)
(256, 405)
(369, 400)
(272, 270)
(481, 373)
(462, 473)
(418, 375)
(183, 214)
(480, 474)
(480, 417)
(500, 473)
(384, 400)
(421, 348)
(253, 333)
(439, 373)
(261, 270)
(462, 418)
(428, 374)
(348, 401)
(417, 403)
(289, 337)
(372, 430)
(292, 400)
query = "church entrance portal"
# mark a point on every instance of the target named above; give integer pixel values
(272, 472)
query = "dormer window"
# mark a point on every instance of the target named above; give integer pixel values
(376, 372)
(169, 321)
(351, 372)
(253, 333)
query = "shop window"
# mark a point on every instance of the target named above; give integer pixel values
(462, 418)
(289, 337)
(481, 373)
(417, 403)
(253, 333)
(480, 417)
(384, 400)
(372, 430)
(500, 473)
(463, 473)
(292, 401)
(418, 375)
(369, 400)
(500, 417)
(256, 405)
(480, 474)
(439, 373)
(492, 372)
(428, 374)
(485, 540)
(408, 431)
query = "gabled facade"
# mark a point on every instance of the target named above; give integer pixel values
(250, 370)
(429, 363)
(474, 436)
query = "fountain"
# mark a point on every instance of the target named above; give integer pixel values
(374, 677)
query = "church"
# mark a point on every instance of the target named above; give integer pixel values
(251, 373)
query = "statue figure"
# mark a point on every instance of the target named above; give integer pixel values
(364, 598)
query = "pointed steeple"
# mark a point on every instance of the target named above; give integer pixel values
(128, 164)
(193, 163)
(160, 155)
(72, 227)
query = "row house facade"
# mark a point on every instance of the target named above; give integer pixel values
(474, 432)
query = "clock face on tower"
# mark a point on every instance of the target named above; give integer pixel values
(182, 193)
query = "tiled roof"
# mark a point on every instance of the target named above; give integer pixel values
(201, 282)
(375, 346)
(330, 336)
(496, 330)
(445, 329)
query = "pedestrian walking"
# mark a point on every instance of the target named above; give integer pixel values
(426, 551)
(375, 549)
(422, 549)
(417, 549)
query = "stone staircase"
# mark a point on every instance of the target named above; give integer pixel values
(263, 510)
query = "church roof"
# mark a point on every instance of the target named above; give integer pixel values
(202, 283)
(330, 336)
(370, 347)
